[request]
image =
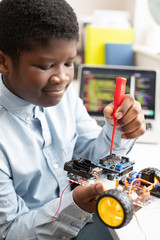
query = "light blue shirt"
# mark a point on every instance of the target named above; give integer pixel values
(35, 143)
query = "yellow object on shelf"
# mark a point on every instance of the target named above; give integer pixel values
(96, 38)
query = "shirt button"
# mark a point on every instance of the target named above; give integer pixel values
(55, 165)
(64, 237)
(28, 118)
(83, 218)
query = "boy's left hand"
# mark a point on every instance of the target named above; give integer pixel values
(130, 117)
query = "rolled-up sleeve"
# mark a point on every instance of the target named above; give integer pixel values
(18, 222)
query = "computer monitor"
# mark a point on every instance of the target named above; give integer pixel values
(97, 84)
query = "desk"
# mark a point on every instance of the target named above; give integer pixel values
(145, 155)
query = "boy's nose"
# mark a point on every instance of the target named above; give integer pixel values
(59, 76)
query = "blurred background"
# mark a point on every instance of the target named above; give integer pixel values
(120, 38)
(132, 22)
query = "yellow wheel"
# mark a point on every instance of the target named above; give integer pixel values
(114, 208)
(111, 211)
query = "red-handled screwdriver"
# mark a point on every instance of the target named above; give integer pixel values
(118, 98)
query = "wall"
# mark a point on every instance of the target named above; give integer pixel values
(147, 36)
(140, 18)
(86, 7)
(147, 31)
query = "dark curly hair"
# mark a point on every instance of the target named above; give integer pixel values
(25, 22)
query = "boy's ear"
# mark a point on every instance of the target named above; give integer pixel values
(3, 63)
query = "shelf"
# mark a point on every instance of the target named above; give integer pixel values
(145, 50)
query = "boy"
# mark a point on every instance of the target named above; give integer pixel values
(43, 123)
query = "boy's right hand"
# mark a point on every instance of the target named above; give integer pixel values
(85, 196)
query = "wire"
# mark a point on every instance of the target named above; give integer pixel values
(139, 180)
(129, 193)
(62, 195)
(145, 237)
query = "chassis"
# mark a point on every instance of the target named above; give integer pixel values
(127, 190)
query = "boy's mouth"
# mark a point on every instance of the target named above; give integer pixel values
(54, 92)
(55, 88)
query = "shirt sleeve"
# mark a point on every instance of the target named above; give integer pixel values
(18, 222)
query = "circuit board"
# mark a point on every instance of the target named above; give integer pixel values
(116, 164)
(116, 172)
(111, 167)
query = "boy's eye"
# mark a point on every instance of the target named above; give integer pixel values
(68, 64)
(45, 67)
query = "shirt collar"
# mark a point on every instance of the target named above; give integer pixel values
(16, 105)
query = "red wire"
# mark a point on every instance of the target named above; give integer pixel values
(62, 194)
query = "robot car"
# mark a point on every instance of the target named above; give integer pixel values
(127, 190)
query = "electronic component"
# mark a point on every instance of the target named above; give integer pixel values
(148, 174)
(156, 190)
(116, 164)
(81, 167)
(123, 186)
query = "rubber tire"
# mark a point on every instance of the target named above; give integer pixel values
(125, 202)
(156, 170)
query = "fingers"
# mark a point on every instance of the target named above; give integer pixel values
(130, 117)
(108, 111)
(134, 129)
(85, 196)
(128, 103)
(132, 122)
(121, 111)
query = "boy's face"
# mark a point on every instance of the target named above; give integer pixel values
(43, 74)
